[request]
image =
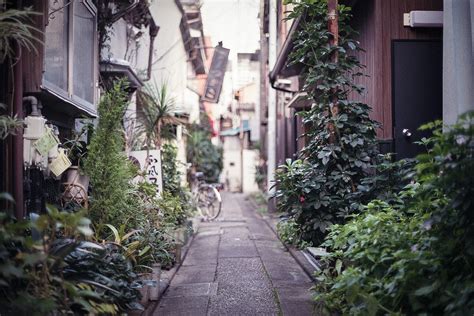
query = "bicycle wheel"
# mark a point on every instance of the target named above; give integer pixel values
(211, 203)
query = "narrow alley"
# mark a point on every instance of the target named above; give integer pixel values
(237, 266)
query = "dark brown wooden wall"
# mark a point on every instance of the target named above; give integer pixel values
(33, 65)
(379, 22)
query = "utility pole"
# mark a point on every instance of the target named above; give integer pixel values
(271, 138)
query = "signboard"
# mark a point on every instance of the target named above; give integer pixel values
(46, 142)
(60, 164)
(153, 173)
(215, 78)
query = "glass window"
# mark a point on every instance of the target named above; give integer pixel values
(56, 45)
(70, 50)
(84, 50)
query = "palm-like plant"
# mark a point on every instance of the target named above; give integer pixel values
(157, 112)
(13, 29)
(8, 125)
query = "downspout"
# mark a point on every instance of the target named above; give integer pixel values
(153, 33)
(17, 156)
(272, 82)
(272, 112)
(35, 109)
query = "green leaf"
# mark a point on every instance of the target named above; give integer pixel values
(338, 266)
(426, 290)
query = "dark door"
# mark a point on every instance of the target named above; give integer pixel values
(417, 92)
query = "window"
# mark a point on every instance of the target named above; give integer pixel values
(71, 53)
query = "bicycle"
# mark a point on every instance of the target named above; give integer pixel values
(207, 198)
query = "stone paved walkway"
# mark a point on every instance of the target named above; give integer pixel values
(237, 266)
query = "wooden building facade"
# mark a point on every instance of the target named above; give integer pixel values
(403, 65)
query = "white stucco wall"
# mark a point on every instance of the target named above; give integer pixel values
(171, 65)
(233, 159)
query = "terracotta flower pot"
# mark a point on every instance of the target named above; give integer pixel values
(76, 184)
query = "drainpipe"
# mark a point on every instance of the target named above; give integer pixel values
(18, 138)
(35, 110)
(153, 33)
(271, 138)
(273, 82)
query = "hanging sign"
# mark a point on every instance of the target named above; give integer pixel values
(60, 164)
(46, 142)
(215, 78)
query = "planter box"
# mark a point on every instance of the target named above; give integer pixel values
(145, 290)
(180, 235)
(154, 291)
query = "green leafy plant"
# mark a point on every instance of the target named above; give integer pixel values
(8, 125)
(47, 267)
(77, 148)
(171, 172)
(413, 254)
(342, 148)
(107, 166)
(156, 113)
(289, 232)
(171, 210)
(203, 154)
(14, 28)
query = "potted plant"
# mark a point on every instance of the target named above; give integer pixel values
(76, 182)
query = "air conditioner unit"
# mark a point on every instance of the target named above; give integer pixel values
(423, 19)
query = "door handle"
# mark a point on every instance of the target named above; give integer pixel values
(406, 132)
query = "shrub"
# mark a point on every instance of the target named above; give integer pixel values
(413, 254)
(108, 168)
(172, 176)
(342, 148)
(54, 270)
(289, 232)
(171, 210)
(203, 154)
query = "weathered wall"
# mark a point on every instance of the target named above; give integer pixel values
(379, 22)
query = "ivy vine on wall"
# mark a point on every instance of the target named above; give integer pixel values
(323, 186)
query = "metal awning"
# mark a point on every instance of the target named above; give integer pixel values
(300, 101)
(112, 68)
(236, 131)
(69, 106)
(281, 67)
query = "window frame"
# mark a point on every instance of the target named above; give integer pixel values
(68, 94)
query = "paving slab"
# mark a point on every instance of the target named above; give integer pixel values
(240, 250)
(237, 266)
(203, 273)
(188, 290)
(235, 270)
(244, 299)
(182, 306)
(294, 300)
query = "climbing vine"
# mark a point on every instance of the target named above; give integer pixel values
(323, 186)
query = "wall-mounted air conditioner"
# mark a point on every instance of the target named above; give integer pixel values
(423, 19)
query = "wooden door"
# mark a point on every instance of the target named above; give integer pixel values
(417, 92)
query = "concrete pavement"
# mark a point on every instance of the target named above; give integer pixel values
(237, 266)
